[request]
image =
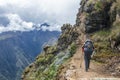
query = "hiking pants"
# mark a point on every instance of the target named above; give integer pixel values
(87, 57)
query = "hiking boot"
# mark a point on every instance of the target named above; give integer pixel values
(86, 70)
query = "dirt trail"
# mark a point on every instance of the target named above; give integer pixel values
(75, 72)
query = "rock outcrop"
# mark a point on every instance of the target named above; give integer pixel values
(69, 34)
(94, 15)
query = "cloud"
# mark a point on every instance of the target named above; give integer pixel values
(54, 27)
(55, 12)
(16, 24)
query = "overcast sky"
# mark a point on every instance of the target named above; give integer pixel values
(21, 15)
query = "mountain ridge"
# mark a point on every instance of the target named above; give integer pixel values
(100, 19)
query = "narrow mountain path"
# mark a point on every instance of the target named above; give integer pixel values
(75, 72)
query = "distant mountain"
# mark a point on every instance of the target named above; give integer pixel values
(45, 24)
(18, 49)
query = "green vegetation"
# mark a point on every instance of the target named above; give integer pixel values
(103, 33)
(50, 49)
(47, 64)
(103, 57)
(73, 48)
(44, 59)
(99, 5)
(102, 43)
(118, 6)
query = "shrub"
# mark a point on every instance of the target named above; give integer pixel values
(99, 5)
(73, 49)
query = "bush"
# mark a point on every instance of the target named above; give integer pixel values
(73, 49)
(118, 6)
(99, 5)
(104, 33)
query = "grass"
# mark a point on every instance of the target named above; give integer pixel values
(103, 57)
(104, 33)
(44, 59)
(118, 5)
(48, 65)
(102, 44)
(99, 6)
(115, 30)
(73, 49)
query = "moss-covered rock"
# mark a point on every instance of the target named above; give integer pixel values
(97, 16)
(50, 49)
(69, 34)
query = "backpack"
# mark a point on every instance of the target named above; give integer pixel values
(89, 45)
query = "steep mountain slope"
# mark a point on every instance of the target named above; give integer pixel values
(18, 50)
(48, 63)
(97, 19)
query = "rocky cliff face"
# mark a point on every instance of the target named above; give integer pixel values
(99, 16)
(100, 19)
(94, 15)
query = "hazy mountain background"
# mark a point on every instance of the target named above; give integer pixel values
(18, 49)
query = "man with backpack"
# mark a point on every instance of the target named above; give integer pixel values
(87, 49)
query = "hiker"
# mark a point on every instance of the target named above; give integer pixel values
(87, 49)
